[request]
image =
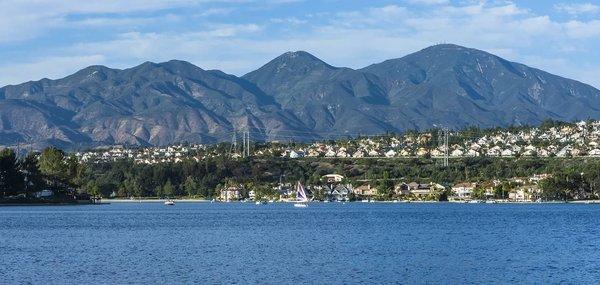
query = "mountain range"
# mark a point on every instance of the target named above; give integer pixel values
(295, 96)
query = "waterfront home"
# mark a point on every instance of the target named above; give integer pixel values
(519, 195)
(365, 191)
(489, 192)
(402, 189)
(285, 190)
(231, 193)
(419, 190)
(44, 194)
(338, 193)
(463, 191)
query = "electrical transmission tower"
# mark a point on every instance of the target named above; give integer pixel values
(246, 143)
(443, 145)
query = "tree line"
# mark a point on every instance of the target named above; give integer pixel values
(54, 170)
(50, 169)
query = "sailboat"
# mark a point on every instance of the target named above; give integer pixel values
(301, 198)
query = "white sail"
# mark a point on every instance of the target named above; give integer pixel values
(301, 193)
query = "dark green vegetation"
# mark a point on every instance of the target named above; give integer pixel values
(294, 97)
(51, 169)
(21, 179)
(206, 178)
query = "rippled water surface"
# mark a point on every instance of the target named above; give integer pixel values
(330, 243)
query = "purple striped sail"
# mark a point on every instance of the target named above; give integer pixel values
(301, 193)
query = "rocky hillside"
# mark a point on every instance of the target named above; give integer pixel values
(293, 97)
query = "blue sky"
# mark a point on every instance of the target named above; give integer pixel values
(42, 38)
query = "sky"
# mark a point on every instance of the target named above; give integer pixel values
(52, 39)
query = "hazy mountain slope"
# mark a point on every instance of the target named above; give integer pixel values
(329, 100)
(476, 87)
(148, 104)
(294, 96)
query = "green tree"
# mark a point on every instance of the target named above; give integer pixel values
(385, 186)
(75, 172)
(190, 186)
(478, 193)
(168, 189)
(11, 180)
(92, 188)
(53, 166)
(34, 180)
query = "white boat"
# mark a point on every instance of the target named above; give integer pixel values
(301, 198)
(169, 202)
(261, 202)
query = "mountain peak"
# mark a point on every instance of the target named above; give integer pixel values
(299, 60)
(299, 55)
(97, 72)
(180, 66)
(447, 49)
(296, 63)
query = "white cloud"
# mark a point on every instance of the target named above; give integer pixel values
(578, 8)
(26, 19)
(350, 38)
(49, 67)
(428, 2)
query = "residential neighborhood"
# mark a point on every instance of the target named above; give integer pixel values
(581, 139)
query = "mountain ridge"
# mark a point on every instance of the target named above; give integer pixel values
(294, 96)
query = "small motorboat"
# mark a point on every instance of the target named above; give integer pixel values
(169, 202)
(261, 202)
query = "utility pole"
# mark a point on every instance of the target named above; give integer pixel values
(233, 148)
(446, 147)
(248, 143)
(244, 144)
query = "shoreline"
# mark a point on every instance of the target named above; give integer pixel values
(104, 201)
(118, 201)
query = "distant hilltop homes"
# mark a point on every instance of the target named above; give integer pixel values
(580, 139)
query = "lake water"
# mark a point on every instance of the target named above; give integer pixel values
(354, 243)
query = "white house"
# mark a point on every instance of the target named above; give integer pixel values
(390, 153)
(463, 190)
